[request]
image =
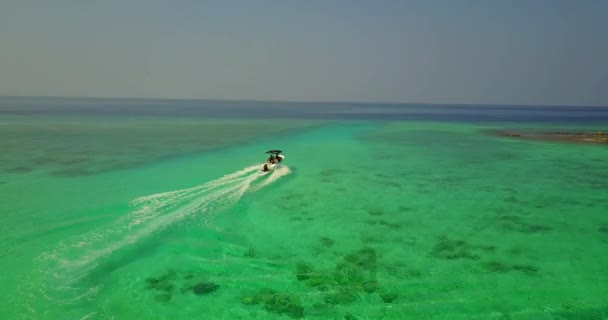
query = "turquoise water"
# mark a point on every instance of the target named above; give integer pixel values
(140, 217)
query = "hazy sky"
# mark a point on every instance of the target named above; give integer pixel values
(451, 51)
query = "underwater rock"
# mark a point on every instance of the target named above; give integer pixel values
(203, 288)
(19, 169)
(390, 224)
(370, 286)
(403, 209)
(286, 304)
(516, 251)
(341, 296)
(527, 269)
(388, 297)
(496, 266)
(279, 303)
(354, 275)
(510, 222)
(453, 249)
(163, 283)
(71, 161)
(525, 227)
(303, 271)
(574, 313)
(321, 281)
(42, 161)
(349, 274)
(349, 316)
(251, 252)
(163, 297)
(264, 294)
(375, 212)
(392, 184)
(365, 258)
(499, 267)
(414, 274)
(533, 228)
(328, 242)
(489, 248)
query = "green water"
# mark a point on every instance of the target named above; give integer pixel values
(126, 219)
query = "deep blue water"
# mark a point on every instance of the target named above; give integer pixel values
(300, 110)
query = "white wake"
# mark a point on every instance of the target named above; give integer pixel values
(69, 263)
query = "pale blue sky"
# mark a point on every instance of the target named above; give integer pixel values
(451, 51)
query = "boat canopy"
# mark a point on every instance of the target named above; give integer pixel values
(275, 152)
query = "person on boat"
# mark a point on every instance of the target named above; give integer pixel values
(271, 158)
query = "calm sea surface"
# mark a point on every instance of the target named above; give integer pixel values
(156, 209)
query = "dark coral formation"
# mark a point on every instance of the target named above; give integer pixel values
(385, 223)
(496, 266)
(391, 184)
(375, 212)
(341, 296)
(276, 302)
(572, 313)
(189, 281)
(527, 269)
(354, 275)
(388, 296)
(414, 274)
(404, 209)
(327, 242)
(19, 169)
(517, 223)
(322, 281)
(603, 229)
(500, 267)
(449, 249)
(365, 258)
(349, 316)
(348, 281)
(251, 252)
(203, 288)
(163, 297)
(164, 284)
(303, 271)
(392, 225)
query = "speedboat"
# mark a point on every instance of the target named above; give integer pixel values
(275, 158)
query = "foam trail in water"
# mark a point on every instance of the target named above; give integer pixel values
(70, 263)
(277, 173)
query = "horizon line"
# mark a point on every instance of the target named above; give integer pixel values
(306, 101)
